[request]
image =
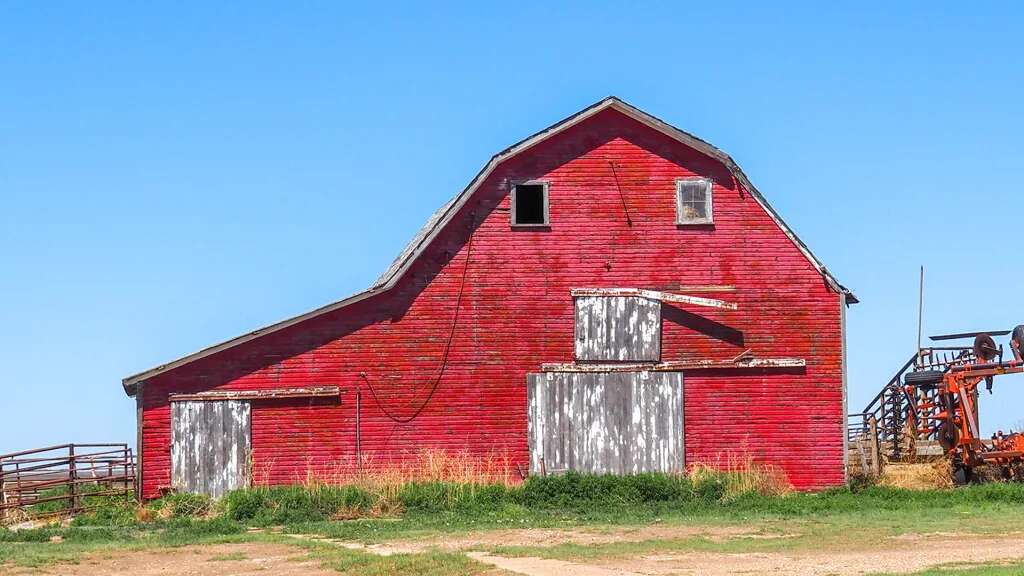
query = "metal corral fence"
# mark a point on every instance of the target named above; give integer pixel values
(67, 475)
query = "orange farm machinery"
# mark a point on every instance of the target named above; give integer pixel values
(941, 400)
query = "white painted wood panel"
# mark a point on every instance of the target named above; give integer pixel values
(210, 446)
(606, 422)
(618, 328)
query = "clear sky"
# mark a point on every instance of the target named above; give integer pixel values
(174, 176)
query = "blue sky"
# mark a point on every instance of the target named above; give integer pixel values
(174, 176)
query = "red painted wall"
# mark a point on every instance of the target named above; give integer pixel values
(517, 313)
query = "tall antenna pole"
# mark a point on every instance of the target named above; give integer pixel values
(920, 314)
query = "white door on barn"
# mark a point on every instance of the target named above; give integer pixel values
(605, 422)
(210, 446)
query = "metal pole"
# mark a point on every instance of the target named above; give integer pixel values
(920, 313)
(72, 477)
(359, 429)
(3, 496)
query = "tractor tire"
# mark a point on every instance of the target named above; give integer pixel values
(924, 378)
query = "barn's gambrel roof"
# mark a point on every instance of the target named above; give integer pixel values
(443, 215)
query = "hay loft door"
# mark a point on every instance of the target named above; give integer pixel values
(605, 422)
(210, 446)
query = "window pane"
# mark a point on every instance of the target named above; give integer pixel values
(695, 210)
(694, 201)
(692, 193)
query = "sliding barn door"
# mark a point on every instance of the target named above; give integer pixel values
(210, 446)
(605, 422)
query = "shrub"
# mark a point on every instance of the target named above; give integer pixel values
(107, 511)
(186, 529)
(245, 504)
(575, 490)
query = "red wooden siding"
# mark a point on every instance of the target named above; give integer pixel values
(517, 313)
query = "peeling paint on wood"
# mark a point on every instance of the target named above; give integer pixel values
(210, 446)
(619, 423)
(270, 394)
(677, 366)
(623, 329)
(656, 295)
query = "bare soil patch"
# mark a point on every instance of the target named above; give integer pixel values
(889, 556)
(246, 559)
(554, 536)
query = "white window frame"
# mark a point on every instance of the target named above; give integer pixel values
(547, 216)
(680, 221)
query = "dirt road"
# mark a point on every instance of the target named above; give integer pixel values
(901, 555)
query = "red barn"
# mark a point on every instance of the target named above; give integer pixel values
(611, 294)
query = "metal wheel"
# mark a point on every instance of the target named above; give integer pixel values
(985, 347)
(963, 475)
(948, 436)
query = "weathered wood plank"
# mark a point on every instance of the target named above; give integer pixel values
(265, 394)
(210, 443)
(654, 295)
(621, 329)
(611, 422)
(678, 365)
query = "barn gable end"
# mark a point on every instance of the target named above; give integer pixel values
(436, 354)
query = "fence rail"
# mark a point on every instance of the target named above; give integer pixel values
(892, 409)
(65, 474)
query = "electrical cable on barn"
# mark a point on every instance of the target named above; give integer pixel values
(447, 347)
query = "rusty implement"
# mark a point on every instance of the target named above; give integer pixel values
(944, 407)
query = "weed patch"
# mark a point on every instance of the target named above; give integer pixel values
(359, 563)
(264, 506)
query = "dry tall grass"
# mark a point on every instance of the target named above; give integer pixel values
(917, 476)
(461, 471)
(742, 475)
(463, 474)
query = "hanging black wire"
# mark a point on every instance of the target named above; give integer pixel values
(622, 196)
(447, 347)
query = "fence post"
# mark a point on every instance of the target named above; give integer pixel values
(72, 476)
(3, 496)
(876, 452)
(129, 472)
(17, 483)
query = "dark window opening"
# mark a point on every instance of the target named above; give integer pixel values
(530, 205)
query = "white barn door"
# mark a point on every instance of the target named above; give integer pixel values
(210, 446)
(605, 422)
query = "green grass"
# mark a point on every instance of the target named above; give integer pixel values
(833, 532)
(108, 509)
(880, 511)
(835, 518)
(71, 550)
(35, 548)
(276, 505)
(357, 563)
